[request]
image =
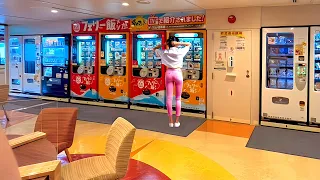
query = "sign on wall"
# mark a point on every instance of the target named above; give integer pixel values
(240, 40)
(100, 25)
(182, 20)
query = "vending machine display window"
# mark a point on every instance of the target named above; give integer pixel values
(317, 62)
(47, 72)
(280, 52)
(113, 55)
(147, 63)
(84, 54)
(15, 50)
(55, 51)
(2, 53)
(193, 61)
(30, 56)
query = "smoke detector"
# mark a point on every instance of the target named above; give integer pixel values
(143, 2)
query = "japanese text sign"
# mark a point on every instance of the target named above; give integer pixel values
(100, 25)
(195, 19)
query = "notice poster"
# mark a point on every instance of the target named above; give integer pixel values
(240, 44)
(220, 60)
(223, 43)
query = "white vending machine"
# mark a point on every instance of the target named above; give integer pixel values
(31, 65)
(314, 89)
(15, 63)
(284, 91)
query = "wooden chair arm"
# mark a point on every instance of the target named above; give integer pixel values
(51, 169)
(20, 141)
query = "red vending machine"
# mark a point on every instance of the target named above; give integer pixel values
(84, 64)
(147, 86)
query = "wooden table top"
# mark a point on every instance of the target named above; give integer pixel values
(35, 152)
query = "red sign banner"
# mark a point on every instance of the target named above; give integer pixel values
(100, 26)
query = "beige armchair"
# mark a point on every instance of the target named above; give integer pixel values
(113, 165)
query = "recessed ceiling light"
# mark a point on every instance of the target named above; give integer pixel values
(125, 4)
(143, 1)
(54, 11)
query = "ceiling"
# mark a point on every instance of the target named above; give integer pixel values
(31, 11)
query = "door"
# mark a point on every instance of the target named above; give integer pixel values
(314, 88)
(231, 79)
(15, 64)
(284, 74)
(31, 64)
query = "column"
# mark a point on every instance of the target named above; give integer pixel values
(6, 40)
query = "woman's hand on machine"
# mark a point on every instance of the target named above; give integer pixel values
(181, 43)
(157, 47)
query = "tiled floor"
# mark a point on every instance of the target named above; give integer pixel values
(215, 151)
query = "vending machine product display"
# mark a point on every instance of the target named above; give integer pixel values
(285, 74)
(15, 66)
(31, 65)
(55, 65)
(314, 89)
(84, 67)
(2, 50)
(193, 96)
(113, 71)
(147, 81)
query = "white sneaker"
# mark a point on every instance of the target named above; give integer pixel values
(171, 125)
(177, 124)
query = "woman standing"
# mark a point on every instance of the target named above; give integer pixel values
(172, 58)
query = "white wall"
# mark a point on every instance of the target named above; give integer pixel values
(290, 15)
(47, 27)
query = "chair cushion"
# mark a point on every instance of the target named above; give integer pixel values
(94, 168)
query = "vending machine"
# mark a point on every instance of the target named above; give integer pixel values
(284, 91)
(113, 71)
(31, 66)
(55, 65)
(147, 77)
(2, 50)
(84, 67)
(15, 66)
(193, 98)
(314, 88)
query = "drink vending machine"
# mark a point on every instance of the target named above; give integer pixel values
(284, 91)
(84, 67)
(113, 71)
(147, 78)
(15, 66)
(55, 66)
(31, 73)
(314, 88)
(193, 96)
